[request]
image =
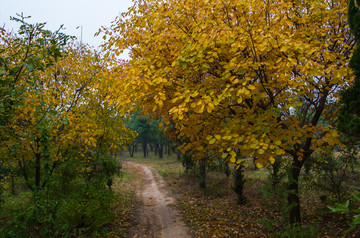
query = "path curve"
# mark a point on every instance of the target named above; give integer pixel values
(155, 215)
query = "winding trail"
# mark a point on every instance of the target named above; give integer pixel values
(156, 217)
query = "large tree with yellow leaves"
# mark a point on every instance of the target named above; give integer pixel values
(254, 75)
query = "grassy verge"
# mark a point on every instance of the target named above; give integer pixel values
(124, 186)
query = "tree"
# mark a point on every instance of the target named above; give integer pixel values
(256, 76)
(349, 116)
(57, 96)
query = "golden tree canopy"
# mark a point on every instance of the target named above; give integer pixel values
(255, 75)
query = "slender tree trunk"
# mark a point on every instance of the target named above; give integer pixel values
(131, 150)
(293, 191)
(144, 147)
(161, 151)
(156, 149)
(239, 185)
(227, 170)
(12, 185)
(178, 155)
(254, 160)
(275, 172)
(23, 170)
(37, 170)
(202, 179)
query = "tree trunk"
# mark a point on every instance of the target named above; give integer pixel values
(144, 148)
(239, 185)
(202, 179)
(227, 170)
(275, 172)
(178, 155)
(161, 151)
(156, 149)
(293, 191)
(131, 150)
(12, 185)
(37, 171)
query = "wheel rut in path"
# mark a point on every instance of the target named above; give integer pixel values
(156, 215)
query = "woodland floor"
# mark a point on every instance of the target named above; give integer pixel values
(214, 212)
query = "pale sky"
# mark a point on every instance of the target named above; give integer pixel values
(90, 14)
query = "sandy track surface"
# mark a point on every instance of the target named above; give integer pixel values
(156, 217)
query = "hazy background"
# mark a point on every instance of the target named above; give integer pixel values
(90, 14)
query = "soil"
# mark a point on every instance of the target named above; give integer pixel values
(156, 213)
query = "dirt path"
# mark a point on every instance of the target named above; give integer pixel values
(155, 216)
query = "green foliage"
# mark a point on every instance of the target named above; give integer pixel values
(331, 174)
(276, 198)
(188, 162)
(35, 48)
(349, 115)
(149, 132)
(296, 231)
(84, 207)
(354, 212)
(88, 206)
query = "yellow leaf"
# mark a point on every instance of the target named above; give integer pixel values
(259, 165)
(272, 160)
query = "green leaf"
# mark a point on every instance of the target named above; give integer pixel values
(224, 155)
(340, 207)
(356, 219)
(212, 141)
(357, 197)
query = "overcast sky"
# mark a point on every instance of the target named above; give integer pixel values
(90, 14)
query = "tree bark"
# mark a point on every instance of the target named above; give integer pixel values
(161, 151)
(178, 155)
(131, 150)
(202, 179)
(293, 191)
(37, 170)
(144, 148)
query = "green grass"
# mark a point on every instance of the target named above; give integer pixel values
(165, 166)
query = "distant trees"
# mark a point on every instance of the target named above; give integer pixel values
(150, 133)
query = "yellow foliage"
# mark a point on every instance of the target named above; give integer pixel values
(252, 75)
